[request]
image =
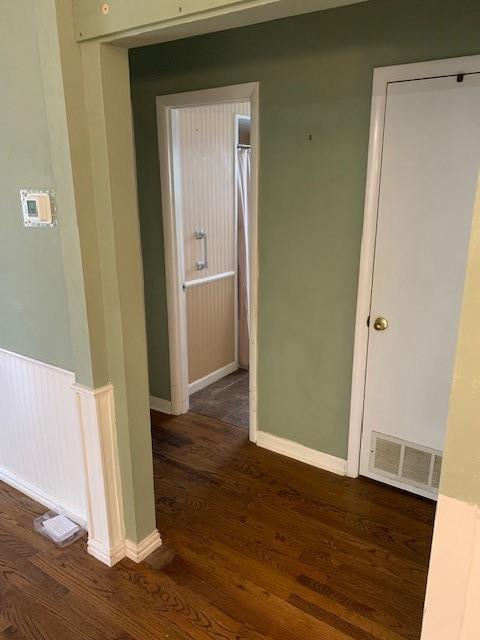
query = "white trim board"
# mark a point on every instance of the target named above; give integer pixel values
(177, 327)
(451, 603)
(158, 404)
(209, 379)
(38, 363)
(302, 454)
(381, 77)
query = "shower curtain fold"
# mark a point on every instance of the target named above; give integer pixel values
(243, 190)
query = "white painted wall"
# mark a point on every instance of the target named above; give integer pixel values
(41, 450)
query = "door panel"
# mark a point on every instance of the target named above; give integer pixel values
(210, 327)
(430, 164)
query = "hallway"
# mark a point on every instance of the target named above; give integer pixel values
(255, 546)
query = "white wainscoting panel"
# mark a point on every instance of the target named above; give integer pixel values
(40, 434)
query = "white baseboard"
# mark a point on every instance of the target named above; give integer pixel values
(138, 551)
(124, 549)
(40, 496)
(201, 383)
(157, 404)
(301, 453)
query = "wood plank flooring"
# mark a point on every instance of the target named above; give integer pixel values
(256, 546)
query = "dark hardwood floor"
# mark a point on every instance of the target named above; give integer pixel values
(256, 546)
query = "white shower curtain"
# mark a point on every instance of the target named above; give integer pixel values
(243, 189)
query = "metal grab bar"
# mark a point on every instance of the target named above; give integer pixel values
(202, 264)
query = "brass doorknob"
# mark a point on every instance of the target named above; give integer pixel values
(380, 324)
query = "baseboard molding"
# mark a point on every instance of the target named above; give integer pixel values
(136, 551)
(40, 496)
(302, 454)
(157, 404)
(201, 383)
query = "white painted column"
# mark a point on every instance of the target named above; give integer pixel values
(106, 526)
(106, 531)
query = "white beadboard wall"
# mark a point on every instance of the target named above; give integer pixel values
(40, 434)
(204, 177)
(204, 174)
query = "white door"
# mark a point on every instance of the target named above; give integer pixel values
(430, 164)
(203, 139)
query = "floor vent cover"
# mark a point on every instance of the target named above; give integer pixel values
(406, 462)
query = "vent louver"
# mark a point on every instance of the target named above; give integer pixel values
(437, 468)
(406, 462)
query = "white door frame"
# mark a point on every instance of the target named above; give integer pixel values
(381, 78)
(176, 308)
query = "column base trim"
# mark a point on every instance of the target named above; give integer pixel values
(107, 555)
(136, 551)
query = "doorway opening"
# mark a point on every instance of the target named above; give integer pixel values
(208, 145)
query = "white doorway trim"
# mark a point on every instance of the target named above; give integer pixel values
(381, 78)
(177, 324)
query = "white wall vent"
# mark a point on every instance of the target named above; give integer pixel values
(407, 462)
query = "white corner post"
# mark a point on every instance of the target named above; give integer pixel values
(106, 530)
(107, 540)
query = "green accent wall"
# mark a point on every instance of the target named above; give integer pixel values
(315, 74)
(34, 313)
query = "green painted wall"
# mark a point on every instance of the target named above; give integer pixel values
(34, 314)
(315, 74)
